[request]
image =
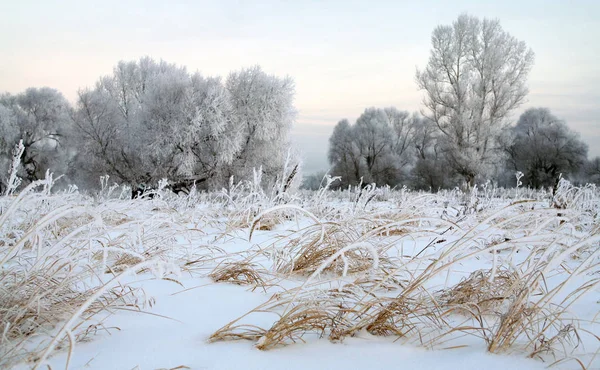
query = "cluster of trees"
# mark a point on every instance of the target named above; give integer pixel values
(381, 146)
(412, 151)
(150, 120)
(475, 79)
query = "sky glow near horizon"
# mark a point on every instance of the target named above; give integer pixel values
(344, 56)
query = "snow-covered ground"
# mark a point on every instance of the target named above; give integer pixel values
(357, 279)
(148, 342)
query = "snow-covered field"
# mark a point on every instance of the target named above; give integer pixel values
(364, 278)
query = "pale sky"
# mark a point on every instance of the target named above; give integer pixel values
(344, 56)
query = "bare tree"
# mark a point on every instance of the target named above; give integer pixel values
(137, 123)
(474, 79)
(97, 138)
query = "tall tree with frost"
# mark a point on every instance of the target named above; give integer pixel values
(211, 139)
(476, 76)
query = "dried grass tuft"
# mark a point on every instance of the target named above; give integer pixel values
(123, 262)
(240, 273)
(297, 322)
(481, 290)
(305, 255)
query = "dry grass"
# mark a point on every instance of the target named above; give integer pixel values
(35, 302)
(240, 273)
(481, 290)
(123, 262)
(53, 291)
(334, 313)
(296, 323)
(320, 316)
(354, 268)
(509, 306)
(311, 251)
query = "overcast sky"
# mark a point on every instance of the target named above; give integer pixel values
(344, 56)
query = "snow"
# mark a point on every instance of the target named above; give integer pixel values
(150, 342)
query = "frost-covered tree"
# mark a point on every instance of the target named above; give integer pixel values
(39, 117)
(344, 155)
(212, 139)
(404, 126)
(374, 137)
(262, 114)
(430, 171)
(592, 170)
(379, 147)
(543, 147)
(98, 126)
(127, 122)
(424, 138)
(476, 76)
(150, 120)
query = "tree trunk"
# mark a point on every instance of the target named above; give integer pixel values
(470, 179)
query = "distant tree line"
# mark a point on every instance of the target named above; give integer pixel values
(540, 145)
(475, 79)
(150, 120)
